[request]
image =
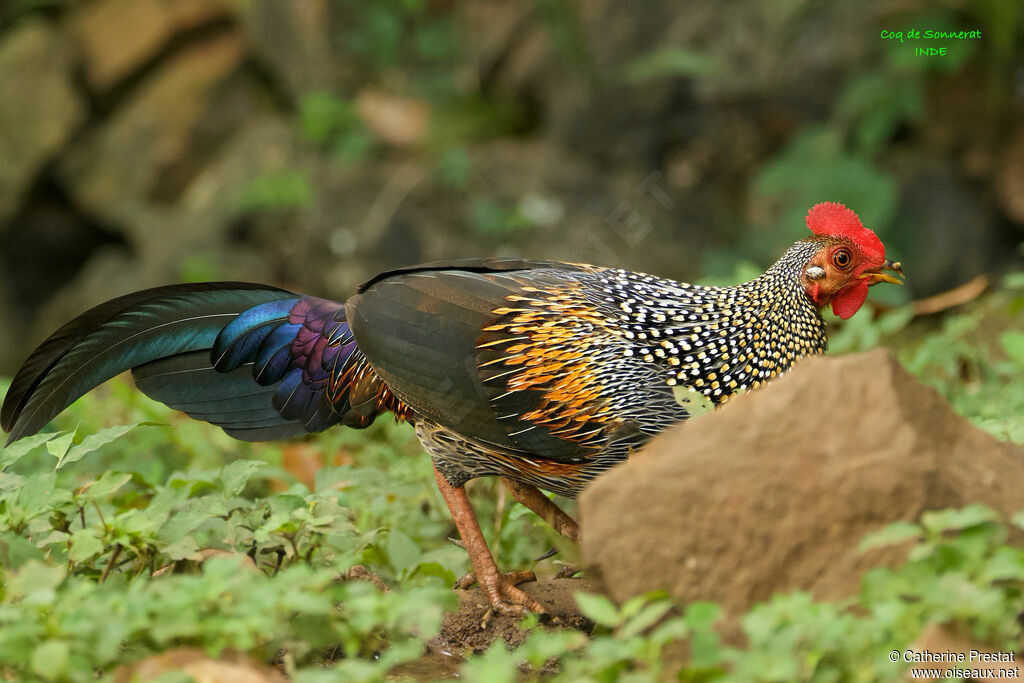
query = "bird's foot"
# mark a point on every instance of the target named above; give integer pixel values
(513, 578)
(502, 592)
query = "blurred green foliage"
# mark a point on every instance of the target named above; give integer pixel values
(455, 167)
(669, 62)
(489, 217)
(404, 33)
(288, 188)
(332, 124)
(816, 164)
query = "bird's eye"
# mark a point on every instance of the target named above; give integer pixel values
(841, 259)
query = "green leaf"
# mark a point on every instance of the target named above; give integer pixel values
(98, 440)
(403, 552)
(40, 493)
(85, 543)
(896, 319)
(497, 665)
(891, 534)
(15, 551)
(106, 485)
(35, 583)
(647, 617)
(60, 446)
(455, 166)
(952, 519)
(185, 549)
(436, 569)
(236, 475)
(1014, 280)
(1013, 343)
(701, 615)
(331, 479)
(50, 659)
(19, 449)
(669, 630)
(1018, 519)
(10, 482)
(705, 649)
(598, 608)
(1007, 563)
(693, 400)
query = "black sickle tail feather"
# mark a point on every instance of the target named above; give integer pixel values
(261, 362)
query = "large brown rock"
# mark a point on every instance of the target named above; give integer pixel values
(39, 109)
(293, 40)
(117, 37)
(118, 171)
(775, 491)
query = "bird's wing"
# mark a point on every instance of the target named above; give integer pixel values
(505, 352)
(477, 265)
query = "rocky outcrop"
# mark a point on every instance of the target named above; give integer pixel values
(774, 491)
(39, 109)
(119, 37)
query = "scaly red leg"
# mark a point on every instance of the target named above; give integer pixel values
(544, 507)
(504, 596)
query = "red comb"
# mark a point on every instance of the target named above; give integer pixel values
(832, 218)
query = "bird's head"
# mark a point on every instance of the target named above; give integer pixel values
(850, 259)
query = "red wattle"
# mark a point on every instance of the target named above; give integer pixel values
(849, 299)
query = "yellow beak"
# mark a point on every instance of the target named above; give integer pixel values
(875, 276)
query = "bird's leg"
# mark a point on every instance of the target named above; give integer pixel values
(544, 507)
(548, 510)
(501, 592)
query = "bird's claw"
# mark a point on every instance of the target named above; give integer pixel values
(511, 601)
(513, 578)
(504, 596)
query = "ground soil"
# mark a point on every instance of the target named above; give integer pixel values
(473, 628)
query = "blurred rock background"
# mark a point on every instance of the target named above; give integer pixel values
(313, 143)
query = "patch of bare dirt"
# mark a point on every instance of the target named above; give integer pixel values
(473, 628)
(775, 491)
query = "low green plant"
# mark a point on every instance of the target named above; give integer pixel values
(189, 538)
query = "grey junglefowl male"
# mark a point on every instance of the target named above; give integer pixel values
(543, 373)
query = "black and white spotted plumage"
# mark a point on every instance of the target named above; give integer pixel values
(576, 366)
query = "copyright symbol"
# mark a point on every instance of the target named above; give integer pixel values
(894, 656)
